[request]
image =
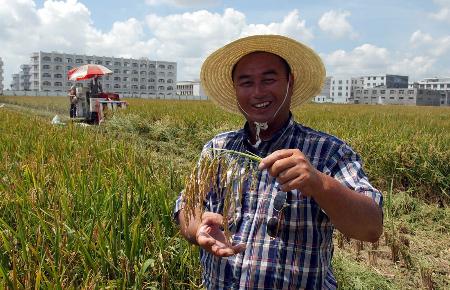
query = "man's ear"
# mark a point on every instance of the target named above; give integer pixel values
(291, 81)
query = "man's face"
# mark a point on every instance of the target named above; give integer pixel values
(260, 80)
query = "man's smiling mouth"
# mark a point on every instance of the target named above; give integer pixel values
(261, 105)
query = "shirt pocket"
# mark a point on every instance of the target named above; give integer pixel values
(302, 222)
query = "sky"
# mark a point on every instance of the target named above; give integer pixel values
(353, 37)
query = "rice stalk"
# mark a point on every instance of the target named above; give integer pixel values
(225, 174)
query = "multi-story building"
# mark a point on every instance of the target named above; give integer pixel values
(15, 84)
(24, 77)
(21, 80)
(388, 81)
(335, 90)
(1, 75)
(131, 77)
(190, 90)
(324, 96)
(395, 96)
(440, 84)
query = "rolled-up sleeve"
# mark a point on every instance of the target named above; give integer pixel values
(348, 170)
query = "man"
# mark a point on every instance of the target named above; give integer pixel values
(73, 102)
(308, 183)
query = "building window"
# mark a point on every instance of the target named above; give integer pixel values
(79, 60)
(391, 92)
(161, 81)
(368, 78)
(58, 84)
(170, 66)
(161, 66)
(161, 88)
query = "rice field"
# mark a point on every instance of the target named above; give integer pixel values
(90, 207)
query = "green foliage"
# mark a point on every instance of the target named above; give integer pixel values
(91, 207)
(352, 276)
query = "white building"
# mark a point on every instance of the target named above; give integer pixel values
(441, 84)
(1, 75)
(21, 80)
(190, 90)
(131, 77)
(324, 96)
(401, 96)
(388, 81)
(336, 90)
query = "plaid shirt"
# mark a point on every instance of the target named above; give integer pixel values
(300, 257)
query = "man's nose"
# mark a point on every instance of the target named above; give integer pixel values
(259, 90)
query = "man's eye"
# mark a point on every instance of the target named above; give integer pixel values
(269, 81)
(246, 84)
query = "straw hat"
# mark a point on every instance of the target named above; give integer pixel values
(306, 66)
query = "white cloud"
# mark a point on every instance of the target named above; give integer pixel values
(443, 14)
(335, 23)
(419, 38)
(364, 59)
(414, 67)
(370, 59)
(182, 3)
(433, 46)
(291, 26)
(186, 38)
(190, 37)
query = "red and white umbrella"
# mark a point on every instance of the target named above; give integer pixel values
(87, 71)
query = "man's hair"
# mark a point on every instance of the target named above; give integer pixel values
(283, 61)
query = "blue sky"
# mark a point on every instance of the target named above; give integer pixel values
(352, 37)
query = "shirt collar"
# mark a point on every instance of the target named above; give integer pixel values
(266, 143)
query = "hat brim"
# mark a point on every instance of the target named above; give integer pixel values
(306, 67)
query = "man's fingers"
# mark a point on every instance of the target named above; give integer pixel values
(238, 248)
(269, 160)
(210, 218)
(203, 238)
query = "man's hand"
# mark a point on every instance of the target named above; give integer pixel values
(210, 237)
(293, 171)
